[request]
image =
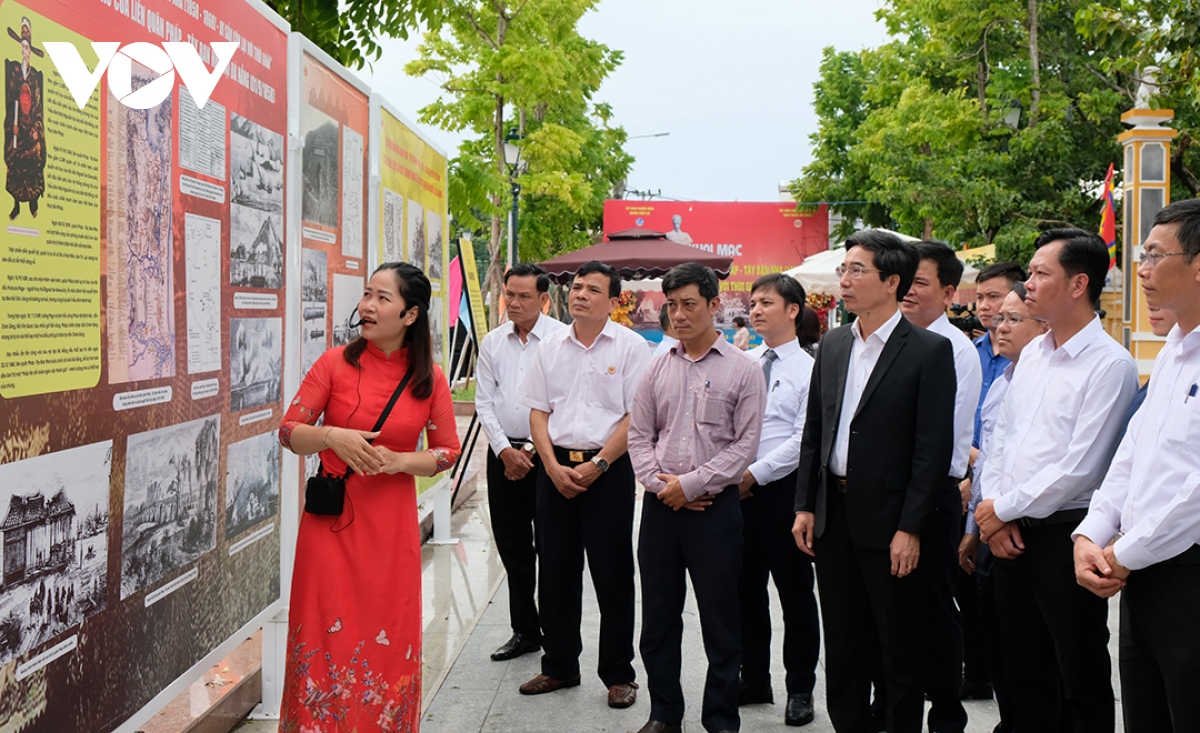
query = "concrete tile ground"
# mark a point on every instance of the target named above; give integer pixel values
(468, 693)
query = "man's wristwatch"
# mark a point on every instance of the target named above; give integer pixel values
(529, 448)
(600, 463)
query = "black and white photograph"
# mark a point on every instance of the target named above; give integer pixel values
(255, 247)
(251, 483)
(347, 291)
(416, 234)
(315, 290)
(55, 544)
(433, 236)
(320, 168)
(255, 356)
(353, 203)
(256, 165)
(170, 516)
(437, 327)
(393, 226)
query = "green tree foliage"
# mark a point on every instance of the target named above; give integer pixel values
(349, 31)
(523, 65)
(912, 134)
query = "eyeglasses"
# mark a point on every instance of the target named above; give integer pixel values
(854, 271)
(1152, 258)
(1013, 319)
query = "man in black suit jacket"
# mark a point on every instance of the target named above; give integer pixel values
(876, 451)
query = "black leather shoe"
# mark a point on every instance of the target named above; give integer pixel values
(975, 690)
(657, 726)
(799, 709)
(516, 646)
(748, 695)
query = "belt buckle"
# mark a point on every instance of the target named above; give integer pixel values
(575, 456)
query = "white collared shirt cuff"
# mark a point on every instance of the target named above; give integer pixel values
(1004, 510)
(1132, 555)
(1096, 529)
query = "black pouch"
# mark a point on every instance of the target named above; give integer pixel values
(325, 494)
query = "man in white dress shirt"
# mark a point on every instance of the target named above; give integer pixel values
(580, 387)
(668, 339)
(938, 275)
(504, 357)
(1142, 531)
(1054, 438)
(768, 490)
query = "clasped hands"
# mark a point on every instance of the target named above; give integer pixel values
(571, 481)
(1097, 569)
(367, 459)
(1003, 538)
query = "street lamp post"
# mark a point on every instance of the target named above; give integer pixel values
(512, 160)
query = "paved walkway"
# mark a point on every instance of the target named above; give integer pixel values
(466, 618)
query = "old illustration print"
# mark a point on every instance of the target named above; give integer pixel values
(55, 544)
(256, 208)
(170, 516)
(251, 483)
(255, 362)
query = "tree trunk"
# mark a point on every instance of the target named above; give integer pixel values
(498, 264)
(928, 233)
(1180, 170)
(494, 280)
(1035, 92)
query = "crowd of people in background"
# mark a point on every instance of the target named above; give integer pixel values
(965, 508)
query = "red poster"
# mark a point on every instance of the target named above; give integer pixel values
(761, 237)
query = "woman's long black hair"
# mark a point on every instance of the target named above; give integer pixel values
(414, 288)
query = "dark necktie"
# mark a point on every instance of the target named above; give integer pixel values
(769, 356)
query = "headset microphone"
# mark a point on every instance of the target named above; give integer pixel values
(351, 322)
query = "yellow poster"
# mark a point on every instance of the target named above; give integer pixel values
(474, 293)
(50, 248)
(413, 226)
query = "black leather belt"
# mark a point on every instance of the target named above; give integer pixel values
(574, 455)
(519, 443)
(839, 482)
(1066, 516)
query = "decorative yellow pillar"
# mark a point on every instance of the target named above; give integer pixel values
(1146, 187)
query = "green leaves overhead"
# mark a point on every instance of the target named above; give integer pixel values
(912, 135)
(350, 31)
(523, 66)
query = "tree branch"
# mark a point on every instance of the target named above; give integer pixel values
(1180, 169)
(1111, 84)
(481, 31)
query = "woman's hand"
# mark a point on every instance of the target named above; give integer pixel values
(393, 462)
(352, 447)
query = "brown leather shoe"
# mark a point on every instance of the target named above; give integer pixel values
(622, 696)
(542, 684)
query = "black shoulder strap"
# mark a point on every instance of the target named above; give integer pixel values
(395, 396)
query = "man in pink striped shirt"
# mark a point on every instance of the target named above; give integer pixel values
(693, 431)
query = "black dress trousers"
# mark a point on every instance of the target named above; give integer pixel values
(1160, 646)
(706, 547)
(869, 614)
(1055, 637)
(771, 553)
(942, 654)
(513, 508)
(599, 522)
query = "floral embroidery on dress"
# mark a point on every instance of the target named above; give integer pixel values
(348, 697)
(445, 457)
(306, 417)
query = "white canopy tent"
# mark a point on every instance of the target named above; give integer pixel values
(818, 272)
